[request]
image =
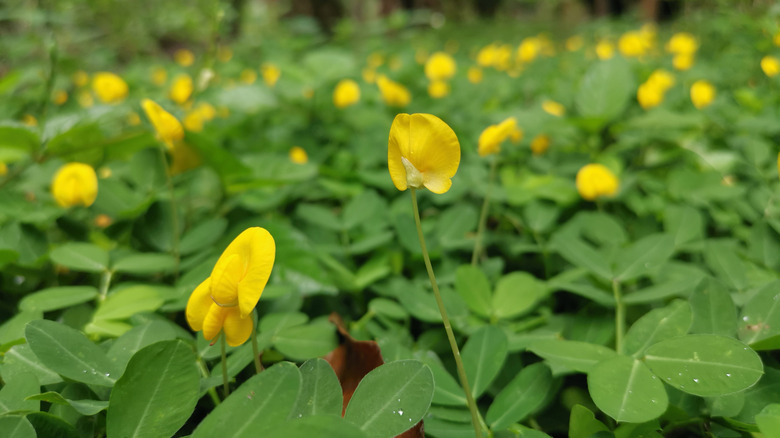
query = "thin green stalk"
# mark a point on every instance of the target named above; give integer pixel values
(255, 349)
(205, 373)
(174, 211)
(483, 215)
(225, 387)
(620, 316)
(475, 417)
(105, 282)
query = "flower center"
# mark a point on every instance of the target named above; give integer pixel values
(414, 178)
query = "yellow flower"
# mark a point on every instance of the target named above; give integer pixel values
(770, 65)
(503, 57)
(486, 57)
(193, 122)
(776, 39)
(80, 78)
(438, 89)
(60, 97)
(346, 93)
(159, 75)
(474, 75)
(529, 49)
(181, 90)
(248, 76)
(109, 87)
(683, 61)
(393, 93)
(574, 43)
(702, 94)
(183, 157)
(491, 138)
(605, 50)
(103, 220)
(85, 99)
(553, 108)
(298, 155)
(133, 119)
(271, 74)
(224, 301)
(375, 60)
(422, 151)
(649, 95)
(631, 44)
(168, 128)
(682, 43)
(75, 184)
(440, 67)
(29, 120)
(661, 79)
(224, 53)
(104, 172)
(595, 181)
(539, 144)
(184, 57)
(3, 169)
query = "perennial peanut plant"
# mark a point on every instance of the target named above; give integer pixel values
(205, 226)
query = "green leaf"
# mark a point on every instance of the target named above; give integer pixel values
(483, 356)
(18, 386)
(713, 310)
(13, 329)
(520, 397)
(705, 365)
(760, 319)
(684, 223)
(55, 298)
(721, 257)
(156, 394)
(575, 355)
(579, 253)
(448, 391)
(319, 215)
(317, 426)
(362, 208)
(540, 216)
(83, 407)
(320, 391)
(48, 425)
(517, 293)
(144, 264)
(473, 286)
(387, 308)
(202, 235)
(583, 424)
(81, 257)
(644, 256)
(391, 398)
(17, 427)
(21, 358)
(306, 342)
(127, 302)
(124, 347)
(68, 352)
(656, 325)
(17, 143)
(626, 390)
(768, 420)
(261, 403)
(605, 89)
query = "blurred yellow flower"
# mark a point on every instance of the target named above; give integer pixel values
(438, 89)
(393, 93)
(224, 301)
(346, 93)
(682, 43)
(375, 60)
(224, 53)
(486, 56)
(183, 158)
(195, 118)
(271, 73)
(181, 90)
(159, 75)
(491, 138)
(702, 94)
(776, 38)
(168, 128)
(440, 67)
(103, 220)
(649, 95)
(85, 99)
(595, 181)
(574, 43)
(770, 65)
(298, 155)
(75, 184)
(605, 50)
(539, 144)
(133, 119)
(683, 61)
(529, 49)
(248, 76)
(661, 79)
(503, 60)
(369, 75)
(474, 75)
(104, 172)
(422, 151)
(184, 57)
(3, 169)
(109, 87)
(648, 33)
(553, 108)
(80, 78)
(29, 120)
(60, 97)
(631, 44)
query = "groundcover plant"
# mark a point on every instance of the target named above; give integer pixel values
(228, 219)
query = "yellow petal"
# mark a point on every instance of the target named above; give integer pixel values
(214, 320)
(237, 329)
(75, 184)
(198, 305)
(167, 126)
(224, 280)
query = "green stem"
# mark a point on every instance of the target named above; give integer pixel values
(358, 325)
(483, 215)
(225, 387)
(255, 349)
(105, 282)
(475, 417)
(174, 211)
(205, 373)
(620, 316)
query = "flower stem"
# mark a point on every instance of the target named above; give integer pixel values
(255, 349)
(483, 215)
(174, 210)
(475, 417)
(204, 371)
(620, 316)
(225, 387)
